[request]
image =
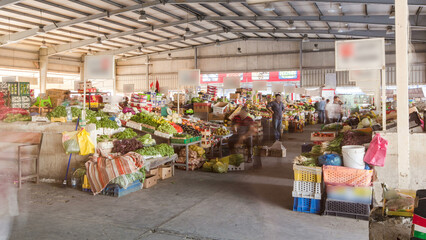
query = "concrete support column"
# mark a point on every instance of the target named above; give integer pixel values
(147, 71)
(301, 62)
(401, 36)
(43, 61)
(82, 69)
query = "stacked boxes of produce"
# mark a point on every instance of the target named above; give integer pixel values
(211, 90)
(57, 96)
(20, 94)
(206, 138)
(349, 191)
(307, 189)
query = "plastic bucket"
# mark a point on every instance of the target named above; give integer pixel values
(353, 156)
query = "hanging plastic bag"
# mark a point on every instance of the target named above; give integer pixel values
(376, 153)
(70, 142)
(86, 145)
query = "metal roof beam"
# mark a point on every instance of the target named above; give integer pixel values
(410, 2)
(34, 31)
(371, 19)
(4, 3)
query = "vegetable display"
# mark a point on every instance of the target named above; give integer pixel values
(126, 134)
(355, 138)
(126, 145)
(59, 111)
(106, 123)
(103, 138)
(76, 112)
(190, 130)
(332, 126)
(166, 128)
(16, 117)
(147, 140)
(336, 144)
(161, 149)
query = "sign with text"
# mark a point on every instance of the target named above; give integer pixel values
(260, 86)
(330, 80)
(189, 77)
(362, 54)
(99, 67)
(277, 87)
(231, 82)
(364, 75)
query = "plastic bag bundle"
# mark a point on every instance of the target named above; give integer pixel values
(70, 142)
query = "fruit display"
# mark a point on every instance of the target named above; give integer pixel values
(190, 130)
(221, 131)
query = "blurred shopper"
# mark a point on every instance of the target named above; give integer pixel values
(277, 108)
(321, 110)
(243, 128)
(333, 110)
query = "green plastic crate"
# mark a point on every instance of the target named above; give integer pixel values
(180, 140)
(150, 130)
(24, 88)
(13, 88)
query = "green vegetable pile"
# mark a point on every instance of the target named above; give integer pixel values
(182, 135)
(106, 123)
(336, 144)
(146, 140)
(59, 111)
(217, 165)
(167, 128)
(126, 134)
(146, 119)
(76, 112)
(16, 117)
(103, 138)
(162, 149)
(236, 159)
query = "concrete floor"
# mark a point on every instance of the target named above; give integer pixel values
(254, 204)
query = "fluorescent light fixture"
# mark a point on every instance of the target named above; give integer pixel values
(239, 51)
(291, 25)
(187, 32)
(43, 44)
(389, 30)
(316, 48)
(169, 56)
(142, 17)
(268, 7)
(41, 29)
(305, 38)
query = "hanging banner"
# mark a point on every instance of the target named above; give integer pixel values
(128, 88)
(277, 87)
(260, 86)
(231, 82)
(189, 77)
(99, 67)
(300, 91)
(364, 75)
(360, 54)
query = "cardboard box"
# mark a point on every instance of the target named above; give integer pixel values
(213, 116)
(165, 172)
(264, 152)
(220, 108)
(234, 96)
(202, 107)
(150, 181)
(153, 172)
(278, 153)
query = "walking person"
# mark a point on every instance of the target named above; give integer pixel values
(276, 107)
(334, 110)
(321, 110)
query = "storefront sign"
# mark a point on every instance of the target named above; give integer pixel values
(360, 54)
(283, 76)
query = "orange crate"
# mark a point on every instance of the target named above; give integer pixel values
(337, 175)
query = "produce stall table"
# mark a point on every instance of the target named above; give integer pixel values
(186, 150)
(221, 144)
(156, 162)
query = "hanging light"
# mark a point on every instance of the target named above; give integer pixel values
(389, 30)
(316, 48)
(41, 29)
(139, 49)
(188, 32)
(392, 13)
(239, 51)
(344, 29)
(99, 40)
(269, 7)
(291, 25)
(305, 38)
(142, 17)
(169, 56)
(217, 42)
(43, 44)
(89, 53)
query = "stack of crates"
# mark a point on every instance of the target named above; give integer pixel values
(349, 192)
(20, 94)
(307, 189)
